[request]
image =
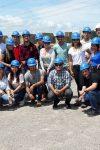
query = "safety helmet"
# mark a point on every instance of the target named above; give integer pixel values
(15, 33)
(95, 60)
(58, 60)
(46, 39)
(31, 62)
(1, 34)
(95, 41)
(84, 66)
(75, 36)
(1, 66)
(97, 26)
(39, 36)
(26, 32)
(59, 34)
(87, 29)
(15, 63)
(10, 41)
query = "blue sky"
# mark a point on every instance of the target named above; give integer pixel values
(48, 15)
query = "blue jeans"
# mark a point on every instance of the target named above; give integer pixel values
(4, 98)
(93, 97)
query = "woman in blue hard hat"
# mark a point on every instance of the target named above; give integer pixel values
(9, 55)
(5, 97)
(39, 44)
(47, 55)
(34, 80)
(61, 47)
(75, 58)
(16, 83)
(95, 45)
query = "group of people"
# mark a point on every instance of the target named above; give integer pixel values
(44, 71)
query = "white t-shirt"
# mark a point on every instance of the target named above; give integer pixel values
(2, 48)
(47, 58)
(85, 45)
(76, 55)
(4, 84)
(15, 84)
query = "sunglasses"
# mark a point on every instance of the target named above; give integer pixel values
(46, 43)
(75, 40)
(59, 64)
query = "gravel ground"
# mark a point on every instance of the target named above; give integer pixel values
(31, 128)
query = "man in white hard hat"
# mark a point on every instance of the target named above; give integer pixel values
(97, 29)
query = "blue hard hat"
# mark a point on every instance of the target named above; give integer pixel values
(84, 66)
(95, 60)
(60, 33)
(75, 36)
(31, 62)
(25, 32)
(39, 36)
(1, 33)
(15, 33)
(1, 66)
(15, 63)
(46, 39)
(59, 60)
(95, 41)
(87, 29)
(10, 41)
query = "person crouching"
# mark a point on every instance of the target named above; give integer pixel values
(59, 82)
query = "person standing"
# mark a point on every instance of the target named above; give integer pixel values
(61, 48)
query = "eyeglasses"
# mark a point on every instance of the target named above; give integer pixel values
(59, 64)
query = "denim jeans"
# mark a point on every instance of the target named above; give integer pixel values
(93, 97)
(4, 98)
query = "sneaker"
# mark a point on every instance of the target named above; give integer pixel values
(38, 104)
(55, 107)
(21, 103)
(68, 106)
(92, 112)
(83, 105)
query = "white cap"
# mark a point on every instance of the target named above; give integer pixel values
(97, 26)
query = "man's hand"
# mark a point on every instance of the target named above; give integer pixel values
(57, 92)
(31, 97)
(2, 92)
(32, 87)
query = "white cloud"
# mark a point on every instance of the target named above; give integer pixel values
(9, 22)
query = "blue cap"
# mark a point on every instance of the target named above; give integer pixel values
(26, 32)
(75, 36)
(15, 63)
(39, 36)
(15, 33)
(95, 41)
(58, 60)
(84, 66)
(10, 41)
(60, 34)
(87, 29)
(46, 39)
(31, 62)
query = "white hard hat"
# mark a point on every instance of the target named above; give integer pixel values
(97, 26)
